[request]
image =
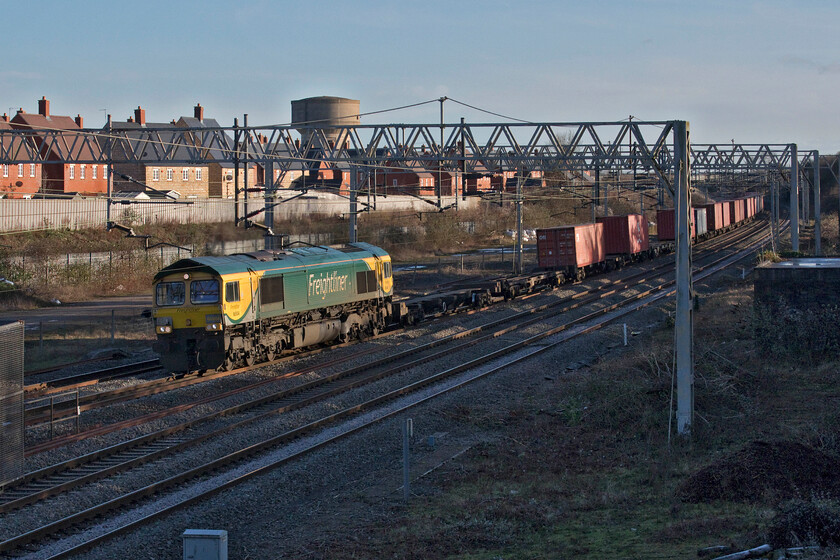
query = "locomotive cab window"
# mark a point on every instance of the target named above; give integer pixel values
(232, 291)
(387, 270)
(169, 293)
(204, 291)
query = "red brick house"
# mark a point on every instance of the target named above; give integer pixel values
(17, 180)
(63, 178)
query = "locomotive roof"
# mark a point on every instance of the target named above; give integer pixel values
(274, 259)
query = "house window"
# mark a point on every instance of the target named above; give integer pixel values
(5, 170)
(20, 170)
(81, 172)
(155, 174)
(169, 174)
(31, 169)
(94, 171)
(185, 174)
(104, 171)
(395, 182)
(198, 174)
(72, 171)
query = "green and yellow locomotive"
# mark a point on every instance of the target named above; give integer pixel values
(226, 312)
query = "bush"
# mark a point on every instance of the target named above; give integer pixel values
(806, 523)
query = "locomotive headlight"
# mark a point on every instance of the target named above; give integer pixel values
(213, 322)
(163, 325)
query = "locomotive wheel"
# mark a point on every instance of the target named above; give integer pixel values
(249, 358)
(270, 353)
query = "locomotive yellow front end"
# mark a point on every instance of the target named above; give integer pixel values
(188, 319)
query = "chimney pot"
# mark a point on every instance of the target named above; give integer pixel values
(199, 112)
(140, 115)
(44, 106)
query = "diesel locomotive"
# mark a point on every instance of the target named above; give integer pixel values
(227, 312)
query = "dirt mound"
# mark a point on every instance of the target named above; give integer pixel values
(772, 471)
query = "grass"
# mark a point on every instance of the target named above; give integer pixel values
(584, 469)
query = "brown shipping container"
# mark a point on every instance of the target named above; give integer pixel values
(575, 246)
(665, 225)
(625, 235)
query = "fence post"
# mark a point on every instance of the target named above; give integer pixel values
(113, 326)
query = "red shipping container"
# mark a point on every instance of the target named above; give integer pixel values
(736, 211)
(665, 225)
(573, 246)
(625, 235)
(717, 216)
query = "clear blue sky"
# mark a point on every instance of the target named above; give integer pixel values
(751, 71)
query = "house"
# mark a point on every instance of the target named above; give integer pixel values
(221, 182)
(130, 175)
(63, 178)
(17, 180)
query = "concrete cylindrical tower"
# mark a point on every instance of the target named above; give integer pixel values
(323, 113)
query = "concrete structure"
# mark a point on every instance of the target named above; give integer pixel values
(797, 306)
(322, 112)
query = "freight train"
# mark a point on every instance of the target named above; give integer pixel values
(613, 241)
(232, 311)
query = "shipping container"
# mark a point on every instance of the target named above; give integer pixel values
(665, 225)
(717, 215)
(736, 211)
(625, 235)
(575, 246)
(700, 227)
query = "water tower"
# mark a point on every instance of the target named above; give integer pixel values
(324, 113)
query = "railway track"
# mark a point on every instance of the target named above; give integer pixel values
(316, 391)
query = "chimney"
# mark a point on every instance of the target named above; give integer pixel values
(21, 111)
(199, 112)
(130, 119)
(79, 121)
(44, 107)
(5, 117)
(140, 115)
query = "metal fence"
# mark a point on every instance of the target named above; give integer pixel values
(11, 401)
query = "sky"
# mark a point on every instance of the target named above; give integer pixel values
(752, 72)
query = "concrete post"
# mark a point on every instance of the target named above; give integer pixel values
(684, 327)
(817, 214)
(794, 198)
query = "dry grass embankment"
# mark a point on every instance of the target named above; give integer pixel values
(584, 468)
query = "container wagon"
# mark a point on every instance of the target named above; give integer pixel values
(575, 250)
